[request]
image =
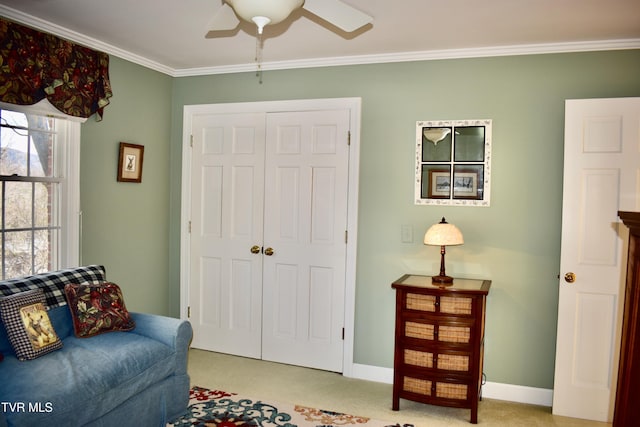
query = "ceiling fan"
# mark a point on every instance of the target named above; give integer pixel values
(264, 13)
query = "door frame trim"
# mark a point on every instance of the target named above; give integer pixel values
(354, 107)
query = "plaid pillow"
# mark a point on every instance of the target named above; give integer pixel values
(28, 326)
(97, 308)
(52, 283)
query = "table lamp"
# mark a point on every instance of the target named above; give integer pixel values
(443, 234)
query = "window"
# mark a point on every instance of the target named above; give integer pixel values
(453, 162)
(39, 193)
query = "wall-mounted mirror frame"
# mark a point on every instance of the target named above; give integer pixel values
(453, 162)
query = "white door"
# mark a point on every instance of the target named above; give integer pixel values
(227, 173)
(306, 195)
(293, 212)
(601, 176)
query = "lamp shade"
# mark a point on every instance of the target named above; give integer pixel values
(443, 234)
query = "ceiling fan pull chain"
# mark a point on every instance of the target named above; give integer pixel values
(259, 46)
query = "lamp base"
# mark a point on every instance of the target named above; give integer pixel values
(442, 280)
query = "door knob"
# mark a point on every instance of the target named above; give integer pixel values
(255, 249)
(570, 277)
(268, 251)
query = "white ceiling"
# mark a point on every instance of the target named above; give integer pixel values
(170, 35)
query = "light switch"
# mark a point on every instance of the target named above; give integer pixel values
(406, 233)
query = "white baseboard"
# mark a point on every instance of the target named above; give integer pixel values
(372, 373)
(518, 393)
(490, 390)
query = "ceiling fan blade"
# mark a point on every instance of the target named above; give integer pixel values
(225, 19)
(338, 13)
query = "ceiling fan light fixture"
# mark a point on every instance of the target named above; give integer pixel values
(260, 22)
(262, 12)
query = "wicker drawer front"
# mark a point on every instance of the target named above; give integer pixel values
(427, 331)
(421, 302)
(452, 362)
(459, 334)
(423, 331)
(415, 385)
(448, 305)
(451, 391)
(422, 359)
(442, 390)
(446, 362)
(456, 305)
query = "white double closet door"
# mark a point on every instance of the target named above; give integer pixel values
(269, 197)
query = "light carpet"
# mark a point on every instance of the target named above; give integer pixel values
(215, 408)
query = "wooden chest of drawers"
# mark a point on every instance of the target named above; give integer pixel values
(439, 342)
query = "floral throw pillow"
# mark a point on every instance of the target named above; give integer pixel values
(28, 326)
(97, 308)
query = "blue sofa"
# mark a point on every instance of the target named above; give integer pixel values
(136, 378)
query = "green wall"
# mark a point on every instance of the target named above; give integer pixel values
(126, 225)
(515, 242)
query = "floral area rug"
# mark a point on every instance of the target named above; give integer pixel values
(214, 408)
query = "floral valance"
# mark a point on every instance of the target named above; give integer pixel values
(36, 65)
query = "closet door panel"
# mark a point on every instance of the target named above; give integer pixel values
(306, 182)
(227, 199)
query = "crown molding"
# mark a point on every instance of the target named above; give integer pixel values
(428, 55)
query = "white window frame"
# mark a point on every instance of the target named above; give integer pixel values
(70, 198)
(68, 139)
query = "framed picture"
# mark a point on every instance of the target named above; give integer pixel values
(465, 185)
(439, 184)
(130, 162)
